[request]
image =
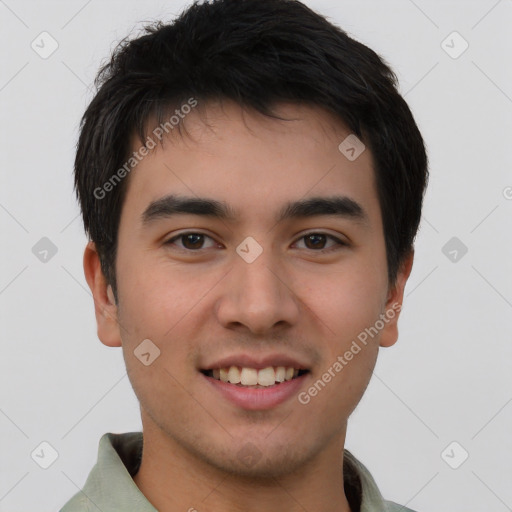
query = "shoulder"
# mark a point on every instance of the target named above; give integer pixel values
(391, 506)
(78, 503)
(371, 497)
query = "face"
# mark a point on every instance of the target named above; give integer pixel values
(252, 291)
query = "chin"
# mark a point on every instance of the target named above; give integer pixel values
(251, 462)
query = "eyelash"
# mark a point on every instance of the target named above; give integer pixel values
(339, 243)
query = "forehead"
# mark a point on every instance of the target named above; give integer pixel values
(250, 161)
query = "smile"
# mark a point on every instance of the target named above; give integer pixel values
(252, 377)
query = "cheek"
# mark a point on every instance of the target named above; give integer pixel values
(164, 306)
(154, 296)
(344, 313)
(346, 305)
(346, 302)
(156, 308)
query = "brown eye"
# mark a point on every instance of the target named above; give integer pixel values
(195, 240)
(317, 241)
(189, 241)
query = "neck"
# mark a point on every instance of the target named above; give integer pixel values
(175, 480)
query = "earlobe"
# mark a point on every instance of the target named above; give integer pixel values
(389, 334)
(104, 303)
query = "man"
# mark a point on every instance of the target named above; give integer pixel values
(251, 182)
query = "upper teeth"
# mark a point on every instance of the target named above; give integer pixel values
(252, 377)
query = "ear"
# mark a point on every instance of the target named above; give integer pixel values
(389, 333)
(104, 304)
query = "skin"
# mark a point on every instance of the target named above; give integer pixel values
(204, 305)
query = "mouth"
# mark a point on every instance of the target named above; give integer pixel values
(246, 377)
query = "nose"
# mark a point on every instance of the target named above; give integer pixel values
(258, 295)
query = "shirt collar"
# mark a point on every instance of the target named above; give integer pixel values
(110, 484)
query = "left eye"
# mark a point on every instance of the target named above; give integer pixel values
(193, 241)
(319, 239)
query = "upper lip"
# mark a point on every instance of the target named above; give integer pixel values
(249, 361)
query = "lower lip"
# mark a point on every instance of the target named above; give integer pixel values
(257, 399)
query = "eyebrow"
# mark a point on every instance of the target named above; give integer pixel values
(171, 205)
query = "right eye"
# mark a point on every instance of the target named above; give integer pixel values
(190, 240)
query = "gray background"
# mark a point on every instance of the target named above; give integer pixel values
(447, 379)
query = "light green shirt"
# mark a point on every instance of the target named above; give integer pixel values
(110, 486)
